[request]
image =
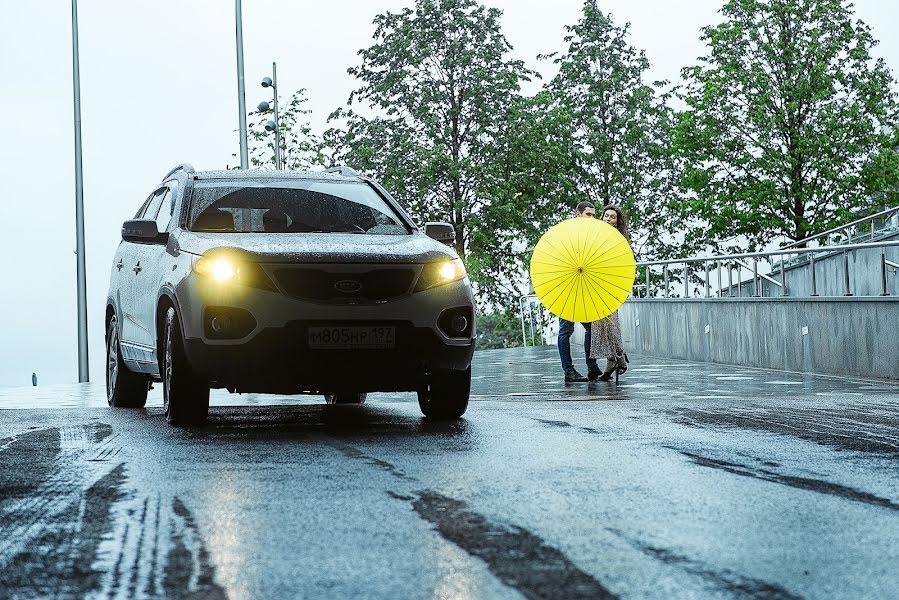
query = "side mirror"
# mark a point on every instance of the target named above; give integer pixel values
(143, 231)
(442, 232)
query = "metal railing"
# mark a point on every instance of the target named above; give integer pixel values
(889, 219)
(534, 318)
(532, 325)
(736, 262)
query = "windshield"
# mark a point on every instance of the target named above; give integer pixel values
(291, 206)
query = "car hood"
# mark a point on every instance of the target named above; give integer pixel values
(321, 247)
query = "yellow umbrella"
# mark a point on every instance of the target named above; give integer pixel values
(582, 269)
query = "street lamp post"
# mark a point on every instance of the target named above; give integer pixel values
(263, 106)
(83, 374)
(241, 96)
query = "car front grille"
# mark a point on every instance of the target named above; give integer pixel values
(339, 287)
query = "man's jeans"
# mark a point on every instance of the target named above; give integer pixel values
(566, 328)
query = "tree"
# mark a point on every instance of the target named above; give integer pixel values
(441, 93)
(526, 186)
(300, 148)
(620, 125)
(789, 124)
(499, 330)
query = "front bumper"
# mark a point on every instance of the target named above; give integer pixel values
(274, 356)
(278, 360)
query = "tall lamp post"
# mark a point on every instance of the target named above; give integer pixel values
(83, 374)
(241, 96)
(272, 82)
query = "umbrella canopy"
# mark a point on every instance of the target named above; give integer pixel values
(582, 269)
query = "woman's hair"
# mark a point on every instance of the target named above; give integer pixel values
(622, 220)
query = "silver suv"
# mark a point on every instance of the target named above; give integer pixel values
(286, 283)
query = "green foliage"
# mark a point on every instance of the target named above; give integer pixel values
(525, 188)
(448, 132)
(787, 130)
(300, 148)
(498, 330)
(619, 125)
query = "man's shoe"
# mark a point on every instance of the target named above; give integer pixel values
(593, 374)
(574, 377)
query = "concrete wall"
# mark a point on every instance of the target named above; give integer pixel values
(838, 335)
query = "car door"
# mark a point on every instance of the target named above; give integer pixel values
(156, 263)
(137, 349)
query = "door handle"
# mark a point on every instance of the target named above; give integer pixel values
(120, 264)
(137, 268)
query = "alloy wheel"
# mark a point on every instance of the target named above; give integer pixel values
(112, 362)
(168, 367)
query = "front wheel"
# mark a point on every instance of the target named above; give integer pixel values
(446, 395)
(345, 398)
(124, 388)
(185, 393)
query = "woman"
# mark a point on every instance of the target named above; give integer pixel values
(605, 334)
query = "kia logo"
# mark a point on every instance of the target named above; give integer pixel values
(347, 286)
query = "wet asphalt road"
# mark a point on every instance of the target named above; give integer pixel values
(682, 481)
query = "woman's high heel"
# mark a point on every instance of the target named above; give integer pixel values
(622, 365)
(611, 367)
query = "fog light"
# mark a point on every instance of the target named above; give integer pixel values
(221, 324)
(458, 324)
(227, 322)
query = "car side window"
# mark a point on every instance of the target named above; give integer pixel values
(143, 207)
(164, 216)
(153, 207)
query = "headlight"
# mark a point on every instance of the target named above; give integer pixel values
(440, 272)
(230, 267)
(220, 268)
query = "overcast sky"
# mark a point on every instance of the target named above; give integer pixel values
(159, 87)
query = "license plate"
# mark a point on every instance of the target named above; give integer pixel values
(349, 338)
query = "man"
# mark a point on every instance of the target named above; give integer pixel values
(566, 328)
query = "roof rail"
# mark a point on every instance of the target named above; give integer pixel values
(343, 171)
(183, 166)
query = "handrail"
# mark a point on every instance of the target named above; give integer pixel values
(841, 227)
(730, 261)
(779, 252)
(762, 275)
(524, 340)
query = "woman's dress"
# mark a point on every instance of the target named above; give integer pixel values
(605, 338)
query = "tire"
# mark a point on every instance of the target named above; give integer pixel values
(446, 396)
(124, 388)
(346, 398)
(185, 393)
